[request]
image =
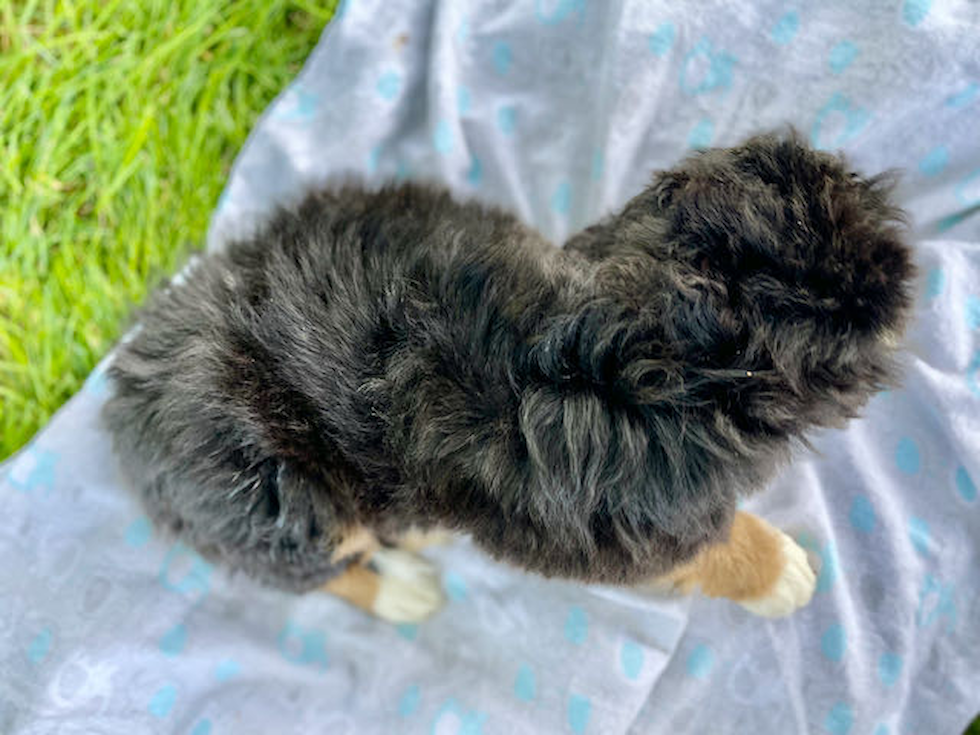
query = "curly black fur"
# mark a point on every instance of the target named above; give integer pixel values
(397, 358)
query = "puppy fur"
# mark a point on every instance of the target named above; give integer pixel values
(395, 358)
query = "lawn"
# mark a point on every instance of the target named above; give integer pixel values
(119, 121)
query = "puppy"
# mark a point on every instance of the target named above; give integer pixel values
(380, 363)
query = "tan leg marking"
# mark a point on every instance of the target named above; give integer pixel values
(415, 539)
(759, 567)
(356, 541)
(356, 584)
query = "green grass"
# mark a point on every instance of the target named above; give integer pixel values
(119, 120)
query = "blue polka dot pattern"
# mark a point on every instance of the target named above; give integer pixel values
(389, 84)
(464, 99)
(700, 662)
(716, 66)
(889, 668)
(853, 120)
(839, 720)
(525, 685)
(915, 11)
(972, 312)
(455, 586)
(561, 200)
(907, 456)
(502, 57)
(919, 535)
(829, 565)
(598, 165)
(227, 670)
(842, 56)
(442, 137)
(410, 700)
(702, 133)
(40, 646)
(579, 711)
(300, 645)
(631, 659)
(882, 729)
(163, 701)
(408, 631)
(862, 515)
(507, 119)
(833, 643)
(934, 161)
(138, 532)
(786, 28)
(551, 12)
(576, 626)
(968, 189)
(965, 97)
(475, 173)
(662, 39)
(203, 727)
(965, 486)
(172, 642)
(935, 283)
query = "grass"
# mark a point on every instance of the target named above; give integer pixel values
(119, 121)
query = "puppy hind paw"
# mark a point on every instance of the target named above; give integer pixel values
(794, 587)
(409, 589)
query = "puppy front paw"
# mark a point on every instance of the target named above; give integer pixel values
(409, 590)
(792, 589)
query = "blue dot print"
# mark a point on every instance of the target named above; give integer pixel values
(881, 730)
(455, 586)
(919, 535)
(410, 700)
(464, 100)
(576, 626)
(829, 564)
(842, 55)
(851, 121)
(551, 12)
(934, 161)
(226, 670)
(579, 711)
(915, 11)
(389, 85)
(173, 640)
(202, 728)
(163, 701)
(935, 283)
(715, 66)
(964, 485)
(598, 165)
(408, 631)
(631, 659)
(700, 662)
(662, 39)
(40, 646)
(475, 173)
(507, 119)
(525, 686)
(965, 97)
(561, 200)
(138, 532)
(301, 645)
(786, 27)
(502, 57)
(839, 720)
(972, 312)
(907, 456)
(862, 515)
(889, 668)
(833, 643)
(442, 137)
(702, 133)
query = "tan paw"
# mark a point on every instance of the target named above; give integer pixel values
(409, 590)
(794, 587)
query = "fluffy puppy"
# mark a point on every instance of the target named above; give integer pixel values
(379, 361)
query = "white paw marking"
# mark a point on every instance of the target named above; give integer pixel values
(410, 590)
(792, 590)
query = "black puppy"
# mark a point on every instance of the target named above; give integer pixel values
(374, 363)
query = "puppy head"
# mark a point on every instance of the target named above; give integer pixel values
(791, 276)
